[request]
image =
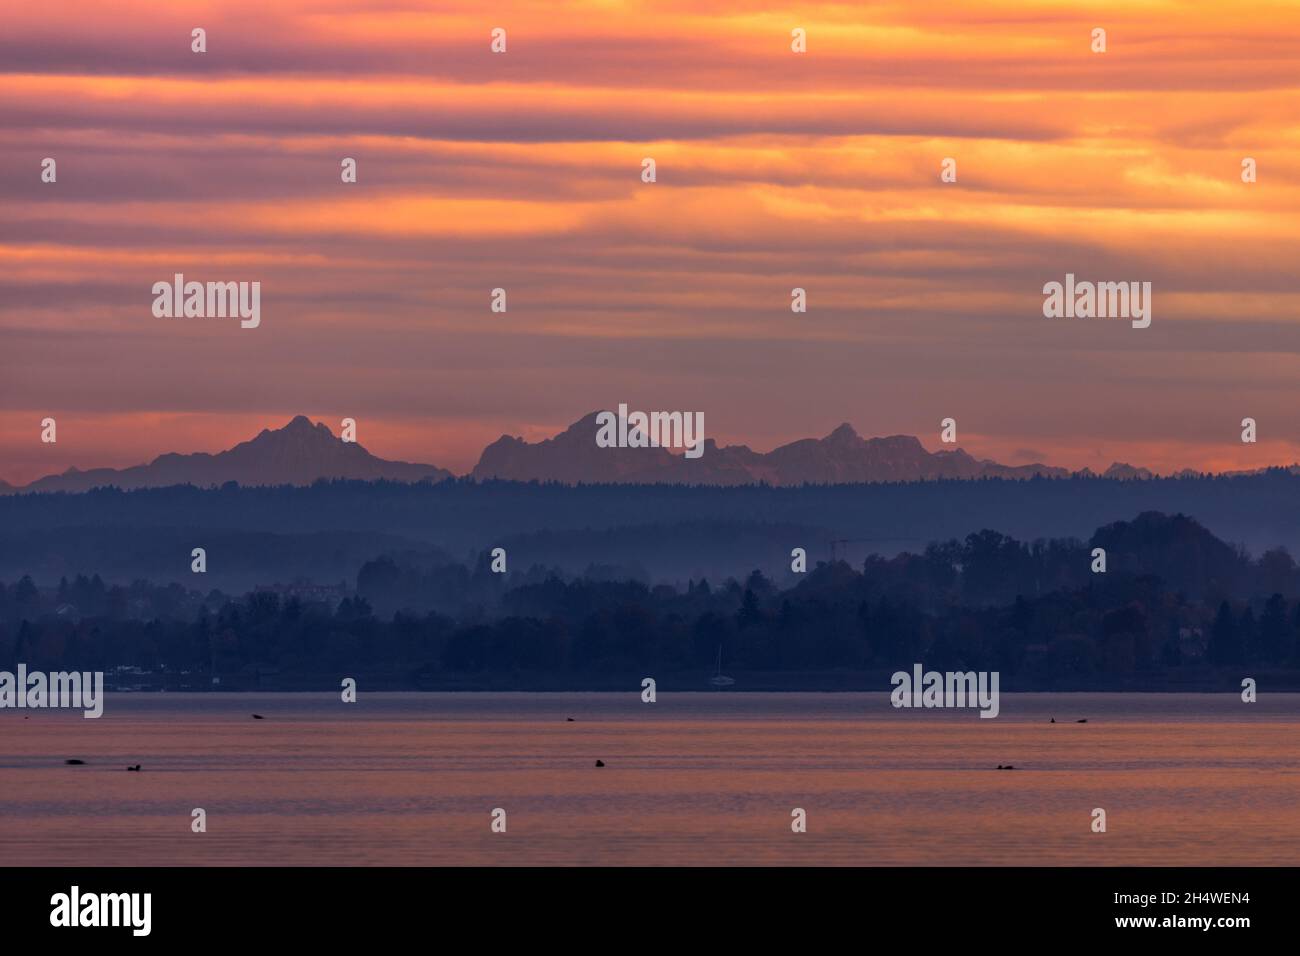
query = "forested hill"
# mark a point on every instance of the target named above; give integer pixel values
(325, 531)
(1176, 608)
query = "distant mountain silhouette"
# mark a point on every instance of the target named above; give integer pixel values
(841, 457)
(1125, 472)
(302, 452)
(297, 454)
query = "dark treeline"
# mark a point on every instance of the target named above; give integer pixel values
(329, 529)
(1176, 607)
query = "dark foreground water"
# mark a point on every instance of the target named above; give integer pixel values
(692, 778)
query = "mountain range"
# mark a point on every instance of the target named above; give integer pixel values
(302, 452)
(842, 457)
(297, 454)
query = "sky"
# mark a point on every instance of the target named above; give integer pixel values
(774, 170)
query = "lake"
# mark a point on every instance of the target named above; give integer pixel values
(694, 778)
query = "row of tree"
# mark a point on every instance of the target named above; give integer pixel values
(987, 603)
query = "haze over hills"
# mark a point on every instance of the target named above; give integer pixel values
(302, 452)
(297, 454)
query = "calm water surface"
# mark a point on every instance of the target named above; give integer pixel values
(691, 779)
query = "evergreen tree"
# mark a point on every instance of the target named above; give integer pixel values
(1224, 646)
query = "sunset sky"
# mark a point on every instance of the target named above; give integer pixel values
(775, 170)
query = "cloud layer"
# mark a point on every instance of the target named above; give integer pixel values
(775, 170)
